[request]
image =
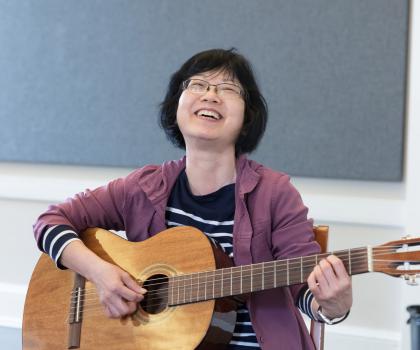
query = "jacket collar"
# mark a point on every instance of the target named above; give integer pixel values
(158, 186)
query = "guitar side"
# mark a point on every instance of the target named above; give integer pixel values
(46, 313)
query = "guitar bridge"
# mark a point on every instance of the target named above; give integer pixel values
(76, 312)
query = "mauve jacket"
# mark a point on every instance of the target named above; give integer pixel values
(270, 223)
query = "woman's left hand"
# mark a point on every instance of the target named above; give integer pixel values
(330, 284)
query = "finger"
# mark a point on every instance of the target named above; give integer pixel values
(323, 283)
(133, 292)
(313, 285)
(328, 272)
(337, 265)
(113, 312)
(107, 312)
(122, 307)
(132, 307)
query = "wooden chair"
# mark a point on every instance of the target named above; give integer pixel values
(317, 328)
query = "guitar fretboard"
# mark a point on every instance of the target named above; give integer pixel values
(206, 285)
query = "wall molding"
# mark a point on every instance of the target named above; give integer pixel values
(12, 300)
(329, 200)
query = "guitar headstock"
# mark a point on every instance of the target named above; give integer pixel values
(398, 259)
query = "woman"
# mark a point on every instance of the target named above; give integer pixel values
(215, 111)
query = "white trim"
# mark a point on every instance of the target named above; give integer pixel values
(329, 200)
(12, 299)
(363, 332)
(341, 333)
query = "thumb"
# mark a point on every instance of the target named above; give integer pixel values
(132, 284)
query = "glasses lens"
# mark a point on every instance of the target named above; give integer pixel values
(197, 85)
(229, 89)
(200, 86)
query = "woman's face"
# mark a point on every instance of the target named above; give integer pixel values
(211, 118)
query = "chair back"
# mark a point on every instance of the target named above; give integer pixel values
(317, 328)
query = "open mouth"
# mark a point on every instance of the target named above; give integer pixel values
(205, 113)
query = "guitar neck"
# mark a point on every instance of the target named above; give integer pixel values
(200, 286)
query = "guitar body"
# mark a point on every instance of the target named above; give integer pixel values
(203, 325)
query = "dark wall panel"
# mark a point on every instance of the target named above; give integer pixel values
(81, 81)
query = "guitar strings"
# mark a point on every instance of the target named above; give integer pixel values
(292, 263)
(98, 308)
(194, 288)
(159, 292)
(216, 273)
(247, 268)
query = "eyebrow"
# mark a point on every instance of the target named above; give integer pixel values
(223, 81)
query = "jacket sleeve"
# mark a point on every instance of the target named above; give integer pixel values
(292, 231)
(102, 207)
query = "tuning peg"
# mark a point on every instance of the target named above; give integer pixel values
(411, 280)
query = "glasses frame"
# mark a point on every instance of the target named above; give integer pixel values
(186, 82)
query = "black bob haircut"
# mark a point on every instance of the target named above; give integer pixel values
(237, 66)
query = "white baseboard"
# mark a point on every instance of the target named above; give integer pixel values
(349, 338)
(345, 337)
(12, 300)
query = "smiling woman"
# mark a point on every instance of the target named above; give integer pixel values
(223, 66)
(214, 110)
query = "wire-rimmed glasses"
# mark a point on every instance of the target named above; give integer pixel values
(200, 86)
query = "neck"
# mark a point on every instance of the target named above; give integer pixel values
(239, 280)
(208, 171)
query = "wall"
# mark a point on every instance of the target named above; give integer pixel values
(359, 213)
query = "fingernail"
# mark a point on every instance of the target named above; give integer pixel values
(142, 290)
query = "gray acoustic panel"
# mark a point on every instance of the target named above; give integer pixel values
(81, 81)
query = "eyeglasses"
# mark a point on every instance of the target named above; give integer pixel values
(199, 86)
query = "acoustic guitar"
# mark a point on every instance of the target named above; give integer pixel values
(193, 291)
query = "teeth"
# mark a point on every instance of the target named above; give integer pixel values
(207, 113)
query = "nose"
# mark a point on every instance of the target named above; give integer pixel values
(211, 95)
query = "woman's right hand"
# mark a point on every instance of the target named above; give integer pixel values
(118, 293)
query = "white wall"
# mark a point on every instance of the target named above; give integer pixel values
(359, 213)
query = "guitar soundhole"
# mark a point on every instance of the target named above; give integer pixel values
(156, 298)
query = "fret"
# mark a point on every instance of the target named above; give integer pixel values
(202, 285)
(349, 261)
(191, 288)
(269, 274)
(214, 275)
(205, 285)
(252, 277)
(275, 275)
(310, 263)
(177, 297)
(246, 279)
(231, 273)
(262, 277)
(198, 286)
(217, 284)
(255, 277)
(184, 286)
(221, 285)
(171, 289)
(236, 280)
(241, 279)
